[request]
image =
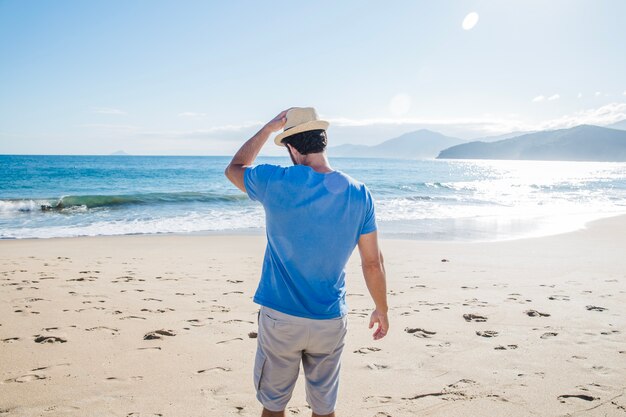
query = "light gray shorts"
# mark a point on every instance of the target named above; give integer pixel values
(285, 340)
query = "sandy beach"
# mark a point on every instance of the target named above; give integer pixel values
(163, 325)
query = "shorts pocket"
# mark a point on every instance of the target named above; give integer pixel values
(259, 365)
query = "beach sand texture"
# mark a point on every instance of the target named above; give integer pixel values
(164, 325)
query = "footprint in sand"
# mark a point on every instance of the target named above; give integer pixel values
(377, 366)
(156, 334)
(158, 310)
(380, 399)
(507, 347)
(132, 317)
(559, 297)
(41, 368)
(237, 321)
(49, 339)
(456, 390)
(132, 378)
(195, 322)
(440, 345)
(110, 329)
(595, 308)
(25, 378)
(547, 335)
(474, 317)
(10, 339)
(418, 332)
(214, 369)
(366, 350)
(83, 279)
(579, 396)
(487, 333)
(295, 410)
(229, 340)
(535, 313)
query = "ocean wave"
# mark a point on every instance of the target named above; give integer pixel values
(213, 220)
(74, 202)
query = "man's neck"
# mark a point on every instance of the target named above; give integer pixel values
(318, 162)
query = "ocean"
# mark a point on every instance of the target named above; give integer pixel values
(61, 196)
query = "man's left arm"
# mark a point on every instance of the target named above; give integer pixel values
(248, 152)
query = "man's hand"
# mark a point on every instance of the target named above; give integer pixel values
(246, 155)
(277, 122)
(383, 324)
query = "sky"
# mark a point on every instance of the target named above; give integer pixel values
(201, 77)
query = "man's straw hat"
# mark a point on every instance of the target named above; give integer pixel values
(300, 119)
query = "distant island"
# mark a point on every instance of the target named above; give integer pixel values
(421, 144)
(580, 143)
(119, 153)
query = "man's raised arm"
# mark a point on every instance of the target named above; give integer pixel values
(376, 280)
(248, 152)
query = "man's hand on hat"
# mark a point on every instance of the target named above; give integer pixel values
(277, 122)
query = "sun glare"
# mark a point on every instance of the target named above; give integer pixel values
(470, 21)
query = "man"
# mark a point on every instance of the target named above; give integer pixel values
(315, 216)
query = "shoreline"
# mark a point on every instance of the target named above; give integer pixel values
(581, 224)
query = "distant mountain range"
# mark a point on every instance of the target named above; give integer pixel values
(501, 137)
(580, 143)
(118, 153)
(421, 144)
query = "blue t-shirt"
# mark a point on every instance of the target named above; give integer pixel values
(313, 223)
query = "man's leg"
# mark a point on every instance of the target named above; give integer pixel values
(322, 362)
(268, 413)
(277, 363)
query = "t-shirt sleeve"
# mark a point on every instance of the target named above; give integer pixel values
(369, 224)
(256, 179)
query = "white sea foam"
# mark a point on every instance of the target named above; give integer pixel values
(211, 220)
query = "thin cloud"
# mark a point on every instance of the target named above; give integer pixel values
(580, 95)
(107, 110)
(106, 126)
(209, 132)
(598, 94)
(191, 114)
(554, 97)
(538, 99)
(602, 116)
(453, 126)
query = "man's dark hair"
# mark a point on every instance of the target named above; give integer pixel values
(310, 141)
